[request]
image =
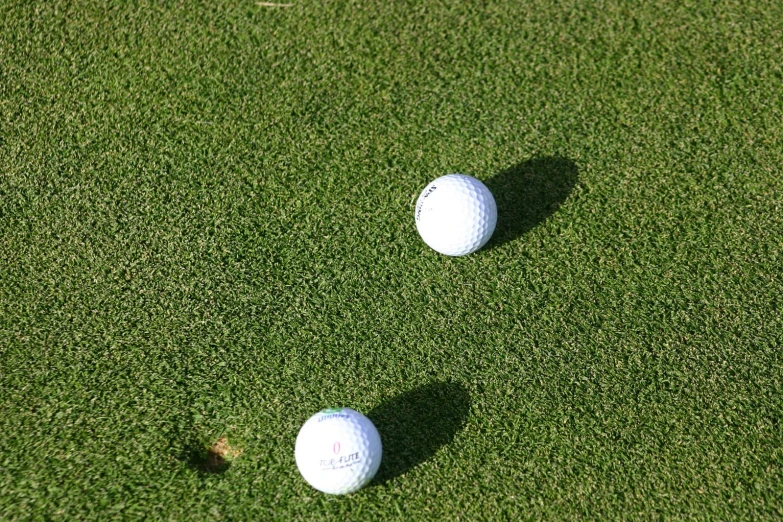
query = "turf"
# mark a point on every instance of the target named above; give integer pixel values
(206, 231)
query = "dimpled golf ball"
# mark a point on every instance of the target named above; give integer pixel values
(456, 214)
(338, 451)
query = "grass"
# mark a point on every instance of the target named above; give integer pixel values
(206, 232)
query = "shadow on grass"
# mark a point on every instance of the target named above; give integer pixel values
(528, 193)
(415, 424)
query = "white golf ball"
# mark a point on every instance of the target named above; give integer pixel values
(456, 214)
(338, 451)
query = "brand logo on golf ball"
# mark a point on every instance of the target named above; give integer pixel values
(422, 198)
(326, 415)
(346, 461)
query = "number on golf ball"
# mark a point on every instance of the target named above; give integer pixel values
(456, 214)
(338, 451)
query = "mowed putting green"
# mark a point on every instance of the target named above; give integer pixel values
(207, 235)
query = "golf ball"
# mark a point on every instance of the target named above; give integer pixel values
(456, 214)
(338, 451)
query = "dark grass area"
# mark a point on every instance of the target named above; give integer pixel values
(206, 232)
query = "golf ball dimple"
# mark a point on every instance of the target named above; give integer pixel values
(456, 214)
(338, 451)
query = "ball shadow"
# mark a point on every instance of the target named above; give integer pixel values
(528, 193)
(415, 424)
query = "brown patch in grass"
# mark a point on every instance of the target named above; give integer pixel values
(220, 456)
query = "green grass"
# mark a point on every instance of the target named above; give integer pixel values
(206, 230)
